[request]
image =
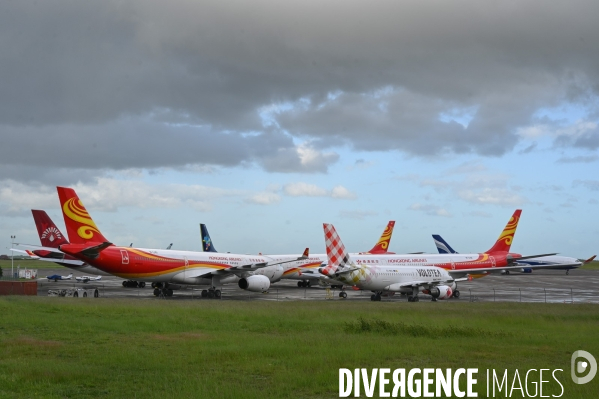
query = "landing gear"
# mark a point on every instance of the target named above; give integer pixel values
(156, 292)
(96, 293)
(507, 272)
(136, 284)
(212, 293)
(567, 272)
(415, 298)
(304, 284)
(376, 297)
(343, 294)
(456, 294)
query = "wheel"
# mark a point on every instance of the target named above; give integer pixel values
(507, 272)
(300, 283)
(75, 294)
(434, 299)
(169, 292)
(56, 280)
(456, 294)
(96, 293)
(410, 298)
(156, 292)
(204, 293)
(373, 297)
(153, 285)
(85, 294)
(378, 297)
(210, 294)
(416, 299)
(142, 284)
(217, 294)
(567, 272)
(308, 284)
(343, 294)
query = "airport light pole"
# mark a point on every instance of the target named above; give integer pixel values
(12, 257)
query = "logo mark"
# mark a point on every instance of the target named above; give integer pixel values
(52, 233)
(580, 366)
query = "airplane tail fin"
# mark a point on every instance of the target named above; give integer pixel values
(338, 257)
(382, 245)
(49, 234)
(80, 226)
(206, 241)
(504, 242)
(442, 246)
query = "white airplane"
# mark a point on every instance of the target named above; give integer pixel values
(408, 274)
(56, 277)
(87, 279)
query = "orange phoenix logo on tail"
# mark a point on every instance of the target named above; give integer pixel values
(383, 244)
(80, 226)
(504, 242)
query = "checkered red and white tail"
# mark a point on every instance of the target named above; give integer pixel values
(338, 258)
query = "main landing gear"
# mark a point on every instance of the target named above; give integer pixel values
(376, 297)
(343, 294)
(161, 290)
(134, 284)
(567, 272)
(304, 284)
(456, 294)
(414, 296)
(211, 293)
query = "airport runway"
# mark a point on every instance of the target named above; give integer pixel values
(581, 286)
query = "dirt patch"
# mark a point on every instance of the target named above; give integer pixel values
(179, 336)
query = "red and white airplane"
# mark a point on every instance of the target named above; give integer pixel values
(433, 274)
(166, 269)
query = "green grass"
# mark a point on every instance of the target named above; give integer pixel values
(63, 347)
(29, 264)
(594, 265)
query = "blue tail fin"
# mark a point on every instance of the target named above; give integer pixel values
(206, 241)
(442, 246)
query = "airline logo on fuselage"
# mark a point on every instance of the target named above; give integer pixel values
(428, 272)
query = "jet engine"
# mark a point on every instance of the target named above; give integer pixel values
(255, 283)
(441, 292)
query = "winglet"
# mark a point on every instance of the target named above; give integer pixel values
(504, 242)
(80, 226)
(382, 245)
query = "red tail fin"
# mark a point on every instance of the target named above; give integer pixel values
(382, 245)
(80, 226)
(49, 234)
(504, 242)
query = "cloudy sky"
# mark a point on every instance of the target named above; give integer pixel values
(264, 119)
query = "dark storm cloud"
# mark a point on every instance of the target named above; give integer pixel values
(73, 70)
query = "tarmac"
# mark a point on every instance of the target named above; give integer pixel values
(550, 286)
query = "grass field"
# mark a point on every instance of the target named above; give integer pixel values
(591, 266)
(62, 347)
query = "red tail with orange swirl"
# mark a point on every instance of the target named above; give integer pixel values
(81, 228)
(504, 242)
(382, 246)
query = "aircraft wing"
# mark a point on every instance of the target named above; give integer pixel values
(31, 254)
(50, 249)
(483, 270)
(246, 268)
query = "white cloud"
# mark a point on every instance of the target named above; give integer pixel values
(301, 189)
(265, 198)
(431, 210)
(356, 214)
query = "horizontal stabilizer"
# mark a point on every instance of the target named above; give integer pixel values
(93, 252)
(533, 256)
(589, 260)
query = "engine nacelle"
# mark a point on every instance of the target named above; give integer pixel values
(255, 283)
(441, 292)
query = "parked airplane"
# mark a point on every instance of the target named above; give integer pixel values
(307, 270)
(56, 277)
(548, 262)
(87, 279)
(397, 269)
(167, 269)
